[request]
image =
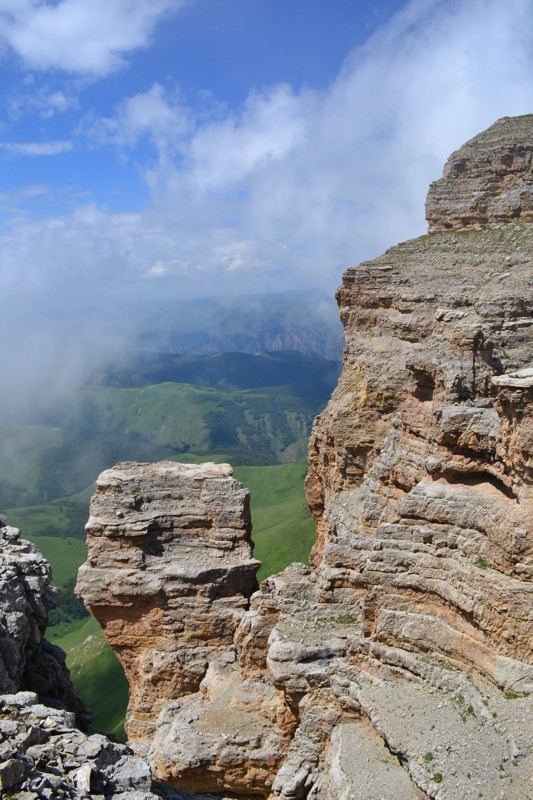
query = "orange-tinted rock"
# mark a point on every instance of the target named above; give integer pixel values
(414, 628)
(169, 573)
(420, 467)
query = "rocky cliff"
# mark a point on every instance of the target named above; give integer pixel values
(401, 662)
(46, 752)
(28, 662)
(43, 752)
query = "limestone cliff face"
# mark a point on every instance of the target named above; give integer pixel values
(169, 572)
(488, 180)
(401, 662)
(169, 576)
(421, 466)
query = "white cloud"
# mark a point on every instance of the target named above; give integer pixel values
(156, 114)
(292, 187)
(89, 37)
(36, 148)
(46, 101)
(269, 129)
(313, 181)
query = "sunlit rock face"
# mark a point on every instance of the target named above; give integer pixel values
(421, 466)
(401, 661)
(487, 181)
(169, 575)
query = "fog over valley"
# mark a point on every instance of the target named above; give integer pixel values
(151, 165)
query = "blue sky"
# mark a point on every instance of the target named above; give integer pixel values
(208, 55)
(163, 148)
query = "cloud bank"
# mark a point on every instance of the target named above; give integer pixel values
(88, 38)
(36, 148)
(284, 191)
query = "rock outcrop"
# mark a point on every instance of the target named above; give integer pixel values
(45, 756)
(488, 180)
(169, 576)
(27, 660)
(46, 752)
(402, 660)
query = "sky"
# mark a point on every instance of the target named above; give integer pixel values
(161, 149)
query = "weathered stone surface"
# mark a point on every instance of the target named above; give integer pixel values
(420, 467)
(223, 737)
(488, 180)
(362, 768)
(43, 755)
(404, 657)
(169, 576)
(27, 660)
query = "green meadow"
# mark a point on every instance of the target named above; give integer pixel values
(283, 529)
(95, 671)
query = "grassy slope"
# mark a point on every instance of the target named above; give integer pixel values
(64, 554)
(183, 417)
(258, 408)
(166, 413)
(96, 672)
(63, 517)
(283, 529)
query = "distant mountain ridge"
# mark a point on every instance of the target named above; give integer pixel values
(304, 321)
(309, 375)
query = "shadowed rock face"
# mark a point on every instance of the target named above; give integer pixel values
(28, 662)
(403, 658)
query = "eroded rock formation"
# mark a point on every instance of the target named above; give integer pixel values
(44, 755)
(169, 576)
(488, 180)
(403, 657)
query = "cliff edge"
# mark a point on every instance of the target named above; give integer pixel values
(401, 662)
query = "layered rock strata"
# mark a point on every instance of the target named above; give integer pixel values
(169, 576)
(488, 180)
(402, 660)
